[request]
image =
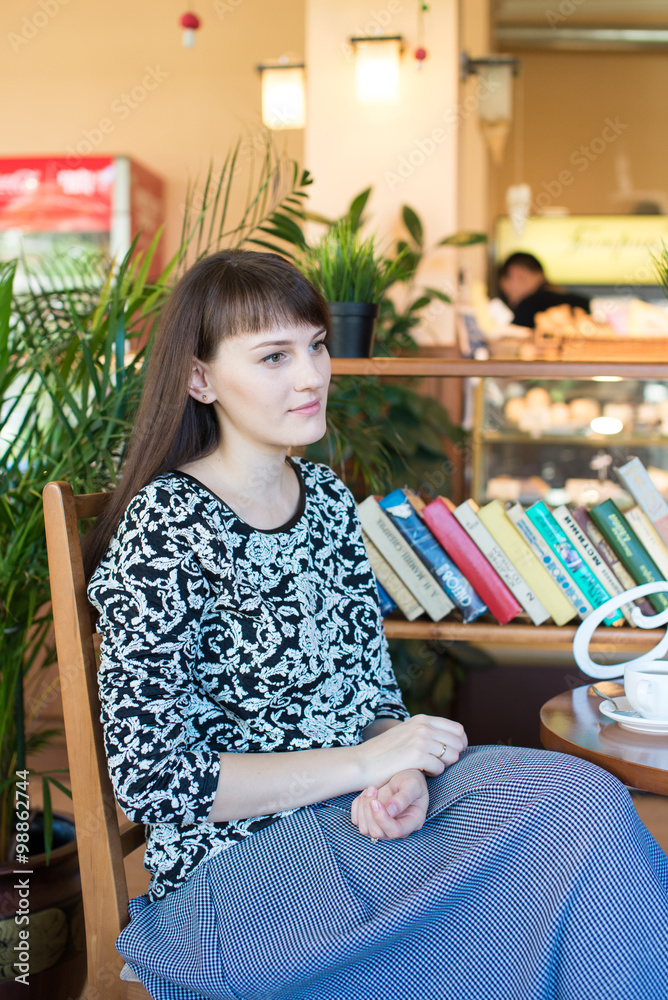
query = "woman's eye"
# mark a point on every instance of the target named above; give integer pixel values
(319, 346)
(273, 358)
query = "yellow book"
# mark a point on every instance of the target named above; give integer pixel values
(499, 525)
(649, 537)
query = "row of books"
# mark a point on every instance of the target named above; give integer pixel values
(435, 558)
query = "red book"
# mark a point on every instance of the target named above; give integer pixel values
(469, 559)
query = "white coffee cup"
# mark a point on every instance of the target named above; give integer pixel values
(646, 688)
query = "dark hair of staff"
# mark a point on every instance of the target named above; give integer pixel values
(526, 289)
(306, 838)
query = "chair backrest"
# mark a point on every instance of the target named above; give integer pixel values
(101, 842)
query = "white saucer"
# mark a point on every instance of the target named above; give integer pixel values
(637, 724)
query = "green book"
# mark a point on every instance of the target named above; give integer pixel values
(569, 557)
(633, 556)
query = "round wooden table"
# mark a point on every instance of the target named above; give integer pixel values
(572, 723)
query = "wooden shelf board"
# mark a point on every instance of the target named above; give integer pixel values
(499, 368)
(595, 441)
(612, 639)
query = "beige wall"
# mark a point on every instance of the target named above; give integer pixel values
(68, 65)
(407, 151)
(72, 65)
(593, 134)
(473, 194)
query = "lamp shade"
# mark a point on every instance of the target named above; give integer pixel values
(283, 96)
(496, 104)
(377, 69)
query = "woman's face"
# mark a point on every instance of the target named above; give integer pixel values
(268, 389)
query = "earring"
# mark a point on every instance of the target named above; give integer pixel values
(204, 399)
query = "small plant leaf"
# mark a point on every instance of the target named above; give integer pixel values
(413, 224)
(463, 239)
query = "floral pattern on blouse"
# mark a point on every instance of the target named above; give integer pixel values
(217, 637)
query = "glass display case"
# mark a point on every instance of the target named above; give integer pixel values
(561, 439)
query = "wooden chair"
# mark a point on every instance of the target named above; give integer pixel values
(102, 844)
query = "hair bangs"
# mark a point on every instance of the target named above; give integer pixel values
(256, 293)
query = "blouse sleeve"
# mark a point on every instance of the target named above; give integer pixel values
(150, 591)
(388, 703)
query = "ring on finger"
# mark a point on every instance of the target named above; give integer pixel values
(443, 751)
(374, 840)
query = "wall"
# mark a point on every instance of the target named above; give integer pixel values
(69, 64)
(592, 134)
(475, 168)
(406, 151)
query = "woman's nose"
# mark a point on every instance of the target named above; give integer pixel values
(313, 370)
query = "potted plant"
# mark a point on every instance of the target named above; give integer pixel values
(65, 394)
(71, 357)
(353, 277)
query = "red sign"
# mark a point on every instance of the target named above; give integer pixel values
(45, 195)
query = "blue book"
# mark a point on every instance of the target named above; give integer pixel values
(404, 516)
(386, 602)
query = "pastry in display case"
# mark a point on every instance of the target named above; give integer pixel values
(559, 440)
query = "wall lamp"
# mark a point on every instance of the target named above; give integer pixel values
(495, 97)
(283, 94)
(377, 68)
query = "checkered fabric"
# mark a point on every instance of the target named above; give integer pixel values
(532, 878)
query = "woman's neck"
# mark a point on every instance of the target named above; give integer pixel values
(262, 490)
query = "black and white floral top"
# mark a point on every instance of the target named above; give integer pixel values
(216, 637)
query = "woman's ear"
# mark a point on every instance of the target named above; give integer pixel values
(198, 386)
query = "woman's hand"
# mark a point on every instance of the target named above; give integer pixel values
(394, 810)
(417, 743)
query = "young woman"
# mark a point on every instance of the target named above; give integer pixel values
(306, 838)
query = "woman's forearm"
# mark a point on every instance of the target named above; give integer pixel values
(258, 784)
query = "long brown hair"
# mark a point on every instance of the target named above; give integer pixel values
(227, 293)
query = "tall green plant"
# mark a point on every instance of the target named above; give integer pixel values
(346, 267)
(72, 350)
(68, 393)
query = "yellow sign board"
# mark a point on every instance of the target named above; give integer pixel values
(590, 249)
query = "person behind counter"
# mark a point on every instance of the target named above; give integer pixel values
(527, 291)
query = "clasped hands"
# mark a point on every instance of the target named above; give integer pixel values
(395, 807)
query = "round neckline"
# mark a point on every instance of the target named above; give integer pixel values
(286, 526)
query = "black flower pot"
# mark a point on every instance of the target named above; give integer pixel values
(353, 329)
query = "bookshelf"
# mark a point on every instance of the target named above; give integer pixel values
(604, 639)
(499, 367)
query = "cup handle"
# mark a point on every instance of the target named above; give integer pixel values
(594, 619)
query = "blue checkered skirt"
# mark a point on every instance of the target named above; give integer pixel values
(531, 878)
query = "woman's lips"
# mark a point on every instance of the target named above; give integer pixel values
(308, 409)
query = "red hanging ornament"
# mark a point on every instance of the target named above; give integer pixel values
(420, 53)
(190, 23)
